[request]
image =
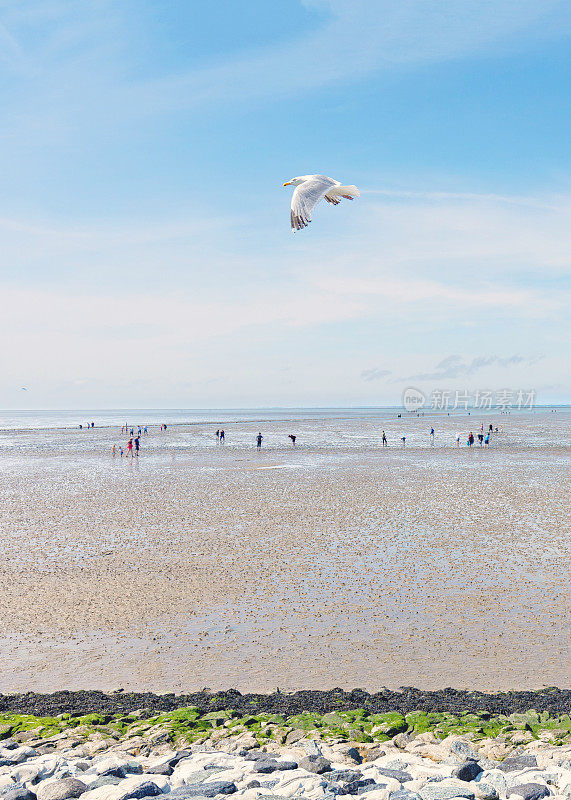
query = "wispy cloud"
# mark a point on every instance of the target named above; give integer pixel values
(455, 366)
(362, 37)
(82, 53)
(374, 374)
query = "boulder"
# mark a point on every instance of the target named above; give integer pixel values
(529, 791)
(60, 789)
(515, 763)
(316, 764)
(467, 771)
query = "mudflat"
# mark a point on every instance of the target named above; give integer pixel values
(337, 563)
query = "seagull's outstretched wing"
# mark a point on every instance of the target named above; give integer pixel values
(305, 197)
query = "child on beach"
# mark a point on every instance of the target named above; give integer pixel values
(130, 448)
(113, 450)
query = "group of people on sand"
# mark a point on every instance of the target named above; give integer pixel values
(484, 439)
(221, 437)
(134, 441)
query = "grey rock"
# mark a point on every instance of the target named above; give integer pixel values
(284, 765)
(437, 791)
(146, 789)
(60, 789)
(105, 780)
(467, 771)
(254, 755)
(253, 785)
(161, 769)
(114, 772)
(354, 787)
(397, 763)
(402, 739)
(371, 787)
(342, 775)
(266, 766)
(514, 763)
(294, 736)
(398, 774)
(312, 748)
(180, 755)
(354, 755)
(372, 753)
(486, 791)
(132, 767)
(204, 789)
(19, 794)
(495, 778)
(315, 764)
(464, 749)
(403, 794)
(529, 791)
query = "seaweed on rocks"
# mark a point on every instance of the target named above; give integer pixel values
(456, 701)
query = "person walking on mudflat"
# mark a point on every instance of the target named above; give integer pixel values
(293, 438)
(385, 443)
(259, 438)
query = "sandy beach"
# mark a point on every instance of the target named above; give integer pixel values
(339, 563)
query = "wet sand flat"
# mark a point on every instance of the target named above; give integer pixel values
(339, 563)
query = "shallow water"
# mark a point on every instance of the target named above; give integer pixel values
(338, 562)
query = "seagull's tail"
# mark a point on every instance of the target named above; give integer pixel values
(348, 192)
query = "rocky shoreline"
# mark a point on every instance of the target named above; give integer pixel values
(195, 752)
(405, 700)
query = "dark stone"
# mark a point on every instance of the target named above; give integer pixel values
(403, 794)
(371, 787)
(210, 789)
(132, 767)
(398, 774)
(105, 780)
(353, 753)
(342, 775)
(467, 771)
(180, 754)
(354, 786)
(253, 785)
(146, 789)
(19, 794)
(266, 766)
(315, 764)
(163, 769)
(283, 766)
(529, 791)
(254, 755)
(513, 763)
(114, 772)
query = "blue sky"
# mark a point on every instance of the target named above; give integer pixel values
(146, 255)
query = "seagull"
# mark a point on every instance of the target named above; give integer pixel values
(309, 190)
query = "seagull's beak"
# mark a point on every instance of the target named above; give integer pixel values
(287, 183)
